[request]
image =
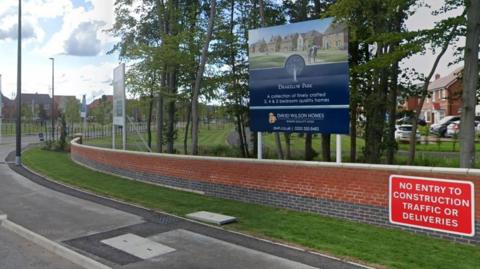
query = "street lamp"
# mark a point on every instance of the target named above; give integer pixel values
(53, 98)
(18, 148)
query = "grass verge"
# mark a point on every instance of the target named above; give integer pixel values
(374, 245)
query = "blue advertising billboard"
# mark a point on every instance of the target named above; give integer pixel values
(299, 78)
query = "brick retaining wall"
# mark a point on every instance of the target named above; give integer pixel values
(351, 191)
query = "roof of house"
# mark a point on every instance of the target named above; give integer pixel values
(335, 28)
(36, 98)
(96, 102)
(445, 82)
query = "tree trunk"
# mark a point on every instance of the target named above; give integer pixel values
(244, 137)
(391, 143)
(308, 147)
(375, 109)
(240, 136)
(424, 94)
(159, 114)
(326, 153)
(354, 84)
(171, 111)
(187, 127)
(201, 68)
(470, 81)
(149, 121)
(288, 146)
(278, 144)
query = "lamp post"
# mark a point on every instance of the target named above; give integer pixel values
(18, 148)
(53, 98)
(1, 108)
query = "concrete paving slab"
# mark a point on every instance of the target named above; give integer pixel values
(196, 251)
(211, 217)
(137, 246)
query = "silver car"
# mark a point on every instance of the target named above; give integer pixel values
(453, 129)
(403, 132)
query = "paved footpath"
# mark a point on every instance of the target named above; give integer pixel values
(124, 236)
(17, 252)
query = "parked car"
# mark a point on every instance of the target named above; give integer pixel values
(403, 132)
(440, 128)
(409, 120)
(454, 128)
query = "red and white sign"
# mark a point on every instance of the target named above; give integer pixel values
(434, 204)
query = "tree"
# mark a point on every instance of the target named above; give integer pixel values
(72, 111)
(439, 36)
(470, 84)
(103, 112)
(198, 79)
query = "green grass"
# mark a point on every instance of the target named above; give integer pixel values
(378, 246)
(298, 143)
(209, 137)
(440, 146)
(267, 61)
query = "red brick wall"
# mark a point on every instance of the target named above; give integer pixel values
(362, 185)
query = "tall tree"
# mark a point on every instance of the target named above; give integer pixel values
(196, 89)
(470, 84)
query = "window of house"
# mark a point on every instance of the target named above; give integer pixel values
(428, 117)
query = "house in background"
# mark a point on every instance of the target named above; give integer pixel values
(61, 101)
(37, 107)
(335, 37)
(445, 98)
(103, 100)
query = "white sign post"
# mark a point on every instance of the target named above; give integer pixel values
(83, 114)
(119, 104)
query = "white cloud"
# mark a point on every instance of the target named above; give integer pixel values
(102, 11)
(83, 41)
(78, 31)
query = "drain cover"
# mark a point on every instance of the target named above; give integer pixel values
(137, 246)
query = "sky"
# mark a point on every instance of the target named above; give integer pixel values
(73, 32)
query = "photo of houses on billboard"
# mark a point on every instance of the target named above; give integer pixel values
(316, 41)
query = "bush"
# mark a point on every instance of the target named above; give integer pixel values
(219, 151)
(56, 146)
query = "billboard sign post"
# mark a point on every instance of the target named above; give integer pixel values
(299, 78)
(83, 113)
(434, 204)
(119, 104)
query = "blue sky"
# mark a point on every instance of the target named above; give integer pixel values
(71, 31)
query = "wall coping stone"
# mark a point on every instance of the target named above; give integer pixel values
(392, 168)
